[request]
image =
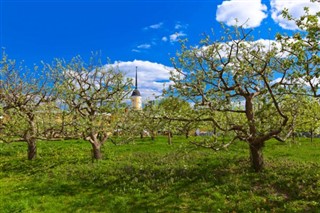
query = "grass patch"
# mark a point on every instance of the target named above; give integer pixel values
(155, 177)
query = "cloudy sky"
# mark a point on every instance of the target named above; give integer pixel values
(143, 33)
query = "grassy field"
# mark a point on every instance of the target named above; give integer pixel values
(154, 177)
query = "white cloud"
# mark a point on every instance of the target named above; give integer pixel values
(164, 38)
(264, 45)
(249, 12)
(135, 50)
(175, 37)
(144, 46)
(267, 44)
(154, 26)
(151, 76)
(179, 26)
(299, 81)
(295, 8)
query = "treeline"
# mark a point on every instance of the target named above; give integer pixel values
(236, 88)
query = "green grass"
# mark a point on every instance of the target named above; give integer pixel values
(155, 177)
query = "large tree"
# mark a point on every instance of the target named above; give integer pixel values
(235, 75)
(94, 95)
(302, 48)
(22, 93)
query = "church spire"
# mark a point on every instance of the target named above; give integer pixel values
(136, 97)
(136, 92)
(136, 78)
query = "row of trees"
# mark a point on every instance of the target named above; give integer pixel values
(61, 100)
(78, 101)
(237, 86)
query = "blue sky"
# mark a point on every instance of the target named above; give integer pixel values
(121, 30)
(135, 32)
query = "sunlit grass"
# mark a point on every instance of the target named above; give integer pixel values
(154, 177)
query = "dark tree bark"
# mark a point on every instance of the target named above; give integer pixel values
(293, 136)
(96, 151)
(311, 135)
(153, 135)
(215, 134)
(187, 134)
(30, 137)
(63, 124)
(169, 137)
(256, 156)
(32, 149)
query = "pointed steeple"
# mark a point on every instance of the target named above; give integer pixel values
(136, 78)
(136, 92)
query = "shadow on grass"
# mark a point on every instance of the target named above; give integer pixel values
(182, 180)
(225, 185)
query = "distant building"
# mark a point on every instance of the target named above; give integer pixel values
(136, 96)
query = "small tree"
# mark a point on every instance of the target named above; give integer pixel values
(219, 74)
(93, 94)
(163, 115)
(50, 121)
(23, 92)
(150, 119)
(309, 118)
(126, 125)
(173, 108)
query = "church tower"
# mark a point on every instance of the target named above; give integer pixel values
(136, 97)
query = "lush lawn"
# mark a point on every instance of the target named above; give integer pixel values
(154, 177)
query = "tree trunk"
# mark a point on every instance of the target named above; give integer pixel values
(62, 131)
(293, 136)
(30, 137)
(32, 149)
(311, 135)
(153, 136)
(256, 156)
(169, 138)
(215, 134)
(187, 134)
(96, 151)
